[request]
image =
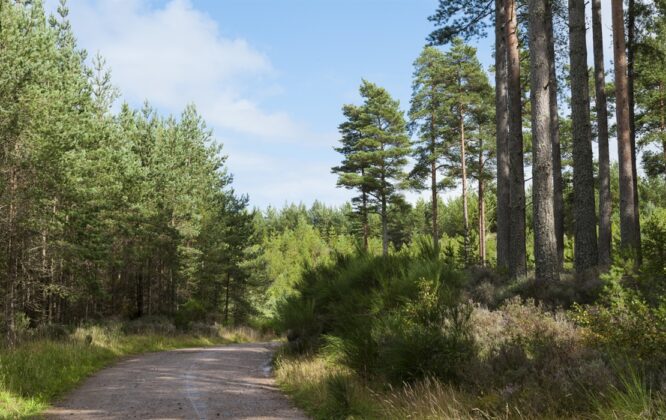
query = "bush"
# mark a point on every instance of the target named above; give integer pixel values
(55, 332)
(202, 329)
(654, 252)
(534, 358)
(190, 311)
(149, 325)
(396, 317)
(624, 325)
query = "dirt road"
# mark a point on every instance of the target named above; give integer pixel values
(205, 383)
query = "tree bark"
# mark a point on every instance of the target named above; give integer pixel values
(517, 248)
(631, 50)
(463, 164)
(586, 254)
(433, 185)
(545, 242)
(384, 227)
(662, 119)
(628, 233)
(502, 129)
(226, 299)
(364, 216)
(605, 200)
(433, 188)
(558, 183)
(482, 208)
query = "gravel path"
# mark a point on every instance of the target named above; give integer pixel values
(204, 383)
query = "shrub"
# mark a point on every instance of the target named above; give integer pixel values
(202, 329)
(190, 311)
(397, 317)
(624, 325)
(427, 336)
(55, 332)
(654, 253)
(149, 325)
(534, 358)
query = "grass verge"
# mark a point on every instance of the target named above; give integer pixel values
(35, 373)
(326, 390)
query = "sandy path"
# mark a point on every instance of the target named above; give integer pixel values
(204, 383)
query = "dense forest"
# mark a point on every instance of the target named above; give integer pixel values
(529, 278)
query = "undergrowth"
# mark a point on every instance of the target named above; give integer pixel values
(328, 390)
(414, 336)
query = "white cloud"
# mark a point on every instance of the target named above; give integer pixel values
(278, 180)
(175, 55)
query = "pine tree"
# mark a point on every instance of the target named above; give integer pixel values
(650, 78)
(517, 251)
(545, 242)
(381, 150)
(585, 232)
(502, 142)
(628, 211)
(352, 171)
(605, 200)
(428, 97)
(466, 91)
(552, 7)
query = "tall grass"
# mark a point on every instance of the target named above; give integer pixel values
(327, 390)
(632, 399)
(36, 372)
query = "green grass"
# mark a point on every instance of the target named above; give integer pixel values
(326, 390)
(35, 373)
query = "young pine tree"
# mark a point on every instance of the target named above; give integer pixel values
(376, 155)
(465, 101)
(425, 114)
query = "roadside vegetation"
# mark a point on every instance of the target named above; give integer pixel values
(53, 360)
(413, 336)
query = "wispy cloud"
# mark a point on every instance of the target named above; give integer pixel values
(176, 54)
(173, 53)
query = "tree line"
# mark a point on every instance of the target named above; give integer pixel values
(105, 213)
(461, 132)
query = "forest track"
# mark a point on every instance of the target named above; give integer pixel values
(202, 383)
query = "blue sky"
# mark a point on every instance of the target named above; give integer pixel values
(269, 76)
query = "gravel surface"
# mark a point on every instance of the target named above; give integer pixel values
(204, 383)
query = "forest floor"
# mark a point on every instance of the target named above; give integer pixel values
(231, 381)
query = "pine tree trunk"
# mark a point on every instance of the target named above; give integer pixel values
(628, 233)
(605, 200)
(482, 208)
(545, 242)
(384, 225)
(631, 50)
(586, 255)
(433, 188)
(517, 248)
(558, 183)
(502, 129)
(139, 293)
(366, 229)
(463, 164)
(662, 119)
(12, 257)
(226, 299)
(433, 184)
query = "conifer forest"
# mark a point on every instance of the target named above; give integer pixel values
(502, 253)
